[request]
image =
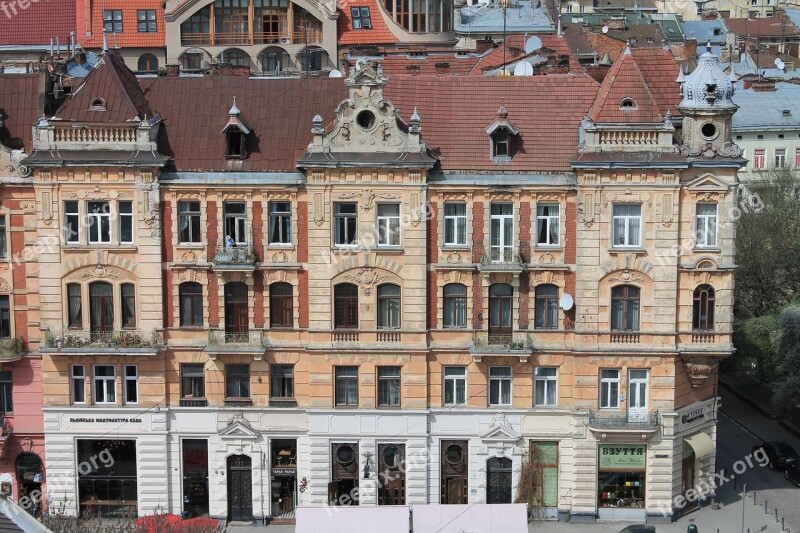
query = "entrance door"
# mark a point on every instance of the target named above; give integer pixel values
(637, 395)
(498, 480)
(236, 323)
(500, 305)
(29, 476)
(343, 488)
(391, 474)
(240, 489)
(454, 472)
(687, 470)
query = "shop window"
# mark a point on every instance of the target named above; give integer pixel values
(346, 378)
(195, 477)
(237, 381)
(455, 385)
(281, 307)
(6, 393)
(280, 223)
(546, 316)
(282, 381)
(388, 306)
(5, 317)
(345, 296)
(621, 475)
(107, 486)
(77, 374)
(388, 386)
(189, 222)
(105, 377)
(455, 224)
(499, 385)
(283, 459)
(191, 304)
(455, 305)
(131, 385)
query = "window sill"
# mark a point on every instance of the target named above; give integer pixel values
(549, 247)
(238, 402)
(390, 407)
(280, 245)
(282, 402)
(705, 249)
(545, 406)
(347, 406)
(627, 250)
(388, 249)
(191, 328)
(98, 246)
(450, 247)
(190, 246)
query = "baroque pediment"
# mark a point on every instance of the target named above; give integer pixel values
(500, 430)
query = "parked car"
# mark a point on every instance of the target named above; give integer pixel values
(792, 472)
(778, 453)
(639, 528)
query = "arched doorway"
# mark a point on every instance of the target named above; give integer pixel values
(498, 480)
(240, 488)
(29, 477)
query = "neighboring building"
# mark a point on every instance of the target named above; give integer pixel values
(711, 31)
(484, 21)
(30, 34)
(767, 125)
(278, 291)
(21, 425)
(776, 34)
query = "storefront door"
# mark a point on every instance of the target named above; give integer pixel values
(498, 480)
(240, 488)
(343, 488)
(29, 477)
(637, 395)
(454, 472)
(621, 481)
(391, 474)
(284, 478)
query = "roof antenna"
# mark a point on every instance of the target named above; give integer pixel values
(105, 42)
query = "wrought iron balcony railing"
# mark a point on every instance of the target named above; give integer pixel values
(240, 254)
(502, 342)
(105, 339)
(247, 338)
(622, 420)
(502, 255)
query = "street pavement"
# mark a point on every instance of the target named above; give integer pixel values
(740, 428)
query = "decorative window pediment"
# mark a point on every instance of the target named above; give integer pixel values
(502, 136)
(236, 132)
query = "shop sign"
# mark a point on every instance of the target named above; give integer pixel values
(284, 471)
(692, 416)
(622, 457)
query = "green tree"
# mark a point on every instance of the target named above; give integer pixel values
(755, 339)
(787, 395)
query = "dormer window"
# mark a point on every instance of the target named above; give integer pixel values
(501, 137)
(501, 144)
(361, 18)
(628, 104)
(234, 144)
(98, 104)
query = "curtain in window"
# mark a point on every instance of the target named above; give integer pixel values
(102, 307)
(74, 303)
(128, 305)
(455, 305)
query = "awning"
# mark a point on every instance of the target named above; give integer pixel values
(700, 443)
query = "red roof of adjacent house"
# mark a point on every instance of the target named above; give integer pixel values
(119, 89)
(130, 37)
(494, 59)
(624, 95)
(20, 107)
(431, 64)
(378, 34)
(763, 27)
(38, 23)
(660, 70)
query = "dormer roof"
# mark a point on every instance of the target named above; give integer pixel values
(624, 96)
(501, 121)
(235, 121)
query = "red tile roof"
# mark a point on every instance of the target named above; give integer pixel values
(130, 36)
(378, 34)
(112, 81)
(558, 46)
(660, 70)
(623, 83)
(19, 108)
(763, 27)
(432, 64)
(37, 24)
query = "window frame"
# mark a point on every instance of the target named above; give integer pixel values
(105, 380)
(607, 401)
(703, 296)
(278, 306)
(388, 227)
(550, 303)
(5, 316)
(191, 216)
(626, 309)
(502, 380)
(387, 319)
(111, 19)
(626, 221)
(342, 321)
(548, 220)
(127, 294)
(191, 376)
(237, 378)
(285, 377)
(3, 237)
(452, 300)
(193, 298)
(71, 300)
(341, 223)
(392, 382)
(346, 380)
(6, 392)
(125, 217)
(457, 225)
(360, 20)
(453, 381)
(709, 224)
(238, 221)
(548, 382)
(503, 251)
(72, 222)
(99, 219)
(502, 137)
(77, 383)
(759, 158)
(150, 24)
(280, 220)
(779, 157)
(127, 379)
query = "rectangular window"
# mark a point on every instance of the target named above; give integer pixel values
(125, 222)
(193, 381)
(77, 374)
(112, 20)
(609, 388)
(389, 386)
(128, 305)
(282, 382)
(74, 305)
(627, 225)
(759, 159)
(6, 393)
(388, 224)
(455, 385)
(361, 18)
(546, 386)
(237, 381)
(235, 214)
(547, 219)
(502, 232)
(780, 157)
(346, 385)
(146, 20)
(797, 157)
(3, 238)
(99, 219)
(72, 218)
(345, 224)
(5, 317)
(191, 304)
(280, 223)
(131, 384)
(499, 385)
(189, 222)
(455, 224)
(706, 225)
(105, 377)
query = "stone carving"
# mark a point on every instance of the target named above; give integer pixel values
(100, 271)
(47, 207)
(349, 195)
(189, 257)
(546, 258)
(710, 151)
(627, 196)
(626, 276)
(5, 288)
(238, 418)
(699, 369)
(454, 258)
(367, 199)
(368, 277)
(280, 257)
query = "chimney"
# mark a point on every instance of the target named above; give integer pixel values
(172, 71)
(763, 85)
(226, 69)
(483, 45)
(690, 49)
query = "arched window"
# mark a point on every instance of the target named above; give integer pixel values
(312, 58)
(345, 298)
(236, 313)
(703, 309)
(455, 305)
(101, 308)
(74, 306)
(234, 56)
(389, 306)
(191, 304)
(625, 308)
(546, 307)
(281, 308)
(273, 60)
(501, 297)
(148, 63)
(128, 293)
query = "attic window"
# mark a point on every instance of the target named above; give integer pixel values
(98, 104)
(717, 31)
(628, 104)
(501, 144)
(234, 144)
(361, 18)
(787, 112)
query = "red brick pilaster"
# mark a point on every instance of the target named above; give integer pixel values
(477, 254)
(571, 220)
(525, 253)
(166, 231)
(258, 229)
(169, 290)
(258, 298)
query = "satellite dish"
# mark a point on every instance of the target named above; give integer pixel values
(780, 65)
(523, 68)
(335, 74)
(533, 44)
(605, 29)
(360, 63)
(777, 61)
(566, 302)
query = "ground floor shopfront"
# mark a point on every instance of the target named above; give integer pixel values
(246, 464)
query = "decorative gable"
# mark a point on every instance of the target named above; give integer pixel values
(500, 430)
(503, 136)
(235, 132)
(238, 428)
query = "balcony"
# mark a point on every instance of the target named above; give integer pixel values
(518, 344)
(193, 402)
(5, 430)
(625, 337)
(242, 342)
(12, 349)
(300, 36)
(366, 336)
(605, 423)
(703, 337)
(238, 257)
(105, 342)
(501, 259)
